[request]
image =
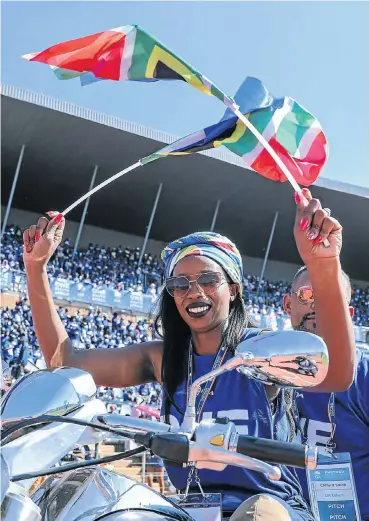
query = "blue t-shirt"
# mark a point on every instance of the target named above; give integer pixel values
(243, 401)
(352, 426)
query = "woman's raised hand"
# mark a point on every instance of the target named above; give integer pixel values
(41, 240)
(313, 225)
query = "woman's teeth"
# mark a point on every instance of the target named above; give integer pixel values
(198, 310)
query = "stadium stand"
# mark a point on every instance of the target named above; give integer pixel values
(104, 295)
(117, 268)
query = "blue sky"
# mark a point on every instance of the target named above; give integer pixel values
(315, 52)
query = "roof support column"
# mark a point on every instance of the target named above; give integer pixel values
(215, 216)
(15, 179)
(149, 226)
(267, 250)
(84, 213)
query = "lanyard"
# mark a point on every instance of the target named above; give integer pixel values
(296, 414)
(204, 394)
(332, 420)
(330, 446)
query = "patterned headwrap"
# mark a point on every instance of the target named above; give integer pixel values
(212, 245)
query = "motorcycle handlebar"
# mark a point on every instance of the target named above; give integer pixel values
(174, 445)
(133, 424)
(169, 446)
(278, 452)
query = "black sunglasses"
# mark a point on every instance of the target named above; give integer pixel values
(206, 283)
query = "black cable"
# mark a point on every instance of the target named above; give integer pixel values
(48, 418)
(80, 464)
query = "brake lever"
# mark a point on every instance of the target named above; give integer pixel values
(118, 421)
(202, 455)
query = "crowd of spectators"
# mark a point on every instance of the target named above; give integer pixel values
(87, 328)
(94, 329)
(119, 268)
(112, 267)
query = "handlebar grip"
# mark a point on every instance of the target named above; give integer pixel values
(272, 451)
(172, 447)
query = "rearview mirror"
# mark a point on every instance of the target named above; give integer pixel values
(285, 358)
(51, 391)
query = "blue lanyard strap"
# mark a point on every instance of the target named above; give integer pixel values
(332, 420)
(296, 414)
(204, 394)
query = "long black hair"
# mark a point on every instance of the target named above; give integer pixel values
(176, 336)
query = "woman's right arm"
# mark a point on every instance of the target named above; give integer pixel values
(133, 365)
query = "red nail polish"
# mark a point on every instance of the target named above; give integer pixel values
(311, 236)
(59, 218)
(318, 240)
(304, 224)
(28, 249)
(297, 198)
(37, 236)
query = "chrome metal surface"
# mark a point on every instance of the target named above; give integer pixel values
(233, 363)
(203, 454)
(4, 481)
(311, 457)
(51, 391)
(132, 424)
(42, 448)
(285, 358)
(18, 506)
(233, 441)
(140, 515)
(86, 494)
(212, 434)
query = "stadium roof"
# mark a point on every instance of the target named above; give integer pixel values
(64, 142)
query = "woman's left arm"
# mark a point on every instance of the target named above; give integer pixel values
(314, 225)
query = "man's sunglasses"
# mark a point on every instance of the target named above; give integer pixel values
(206, 283)
(305, 295)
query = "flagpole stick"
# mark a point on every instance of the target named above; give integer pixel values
(101, 185)
(271, 151)
(274, 155)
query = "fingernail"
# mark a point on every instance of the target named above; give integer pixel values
(28, 249)
(297, 198)
(318, 240)
(311, 235)
(304, 223)
(59, 218)
(37, 236)
(305, 191)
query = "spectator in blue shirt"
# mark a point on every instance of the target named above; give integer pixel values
(352, 406)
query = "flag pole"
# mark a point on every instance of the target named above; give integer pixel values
(84, 213)
(272, 152)
(235, 109)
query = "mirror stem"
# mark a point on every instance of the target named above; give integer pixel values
(189, 420)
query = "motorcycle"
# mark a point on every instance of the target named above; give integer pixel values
(49, 412)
